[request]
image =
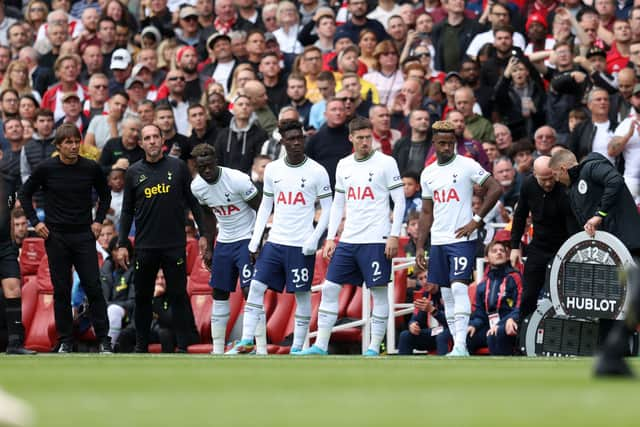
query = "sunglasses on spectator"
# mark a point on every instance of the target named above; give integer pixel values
(101, 87)
(190, 18)
(423, 55)
(345, 99)
(173, 79)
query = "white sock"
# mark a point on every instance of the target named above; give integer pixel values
(261, 335)
(302, 320)
(462, 311)
(219, 318)
(449, 309)
(253, 308)
(379, 316)
(327, 313)
(115, 313)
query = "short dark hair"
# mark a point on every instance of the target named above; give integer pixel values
(9, 90)
(203, 150)
(194, 106)
(10, 119)
(121, 93)
(163, 106)
(65, 131)
(17, 213)
(411, 174)
(359, 123)
(504, 244)
(106, 19)
(326, 76)
(504, 28)
(126, 243)
(287, 125)
(43, 112)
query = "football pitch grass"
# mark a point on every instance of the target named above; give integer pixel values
(123, 391)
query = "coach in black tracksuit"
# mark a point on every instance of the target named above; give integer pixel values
(157, 193)
(67, 182)
(553, 222)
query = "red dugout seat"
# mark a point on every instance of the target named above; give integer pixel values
(37, 311)
(32, 255)
(193, 254)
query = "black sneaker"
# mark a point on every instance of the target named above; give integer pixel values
(105, 347)
(65, 348)
(612, 367)
(19, 350)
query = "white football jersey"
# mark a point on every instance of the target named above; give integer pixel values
(227, 198)
(366, 185)
(295, 190)
(450, 186)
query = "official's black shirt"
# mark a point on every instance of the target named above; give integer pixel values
(114, 150)
(68, 191)
(157, 196)
(6, 204)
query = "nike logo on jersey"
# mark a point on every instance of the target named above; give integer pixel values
(276, 181)
(347, 177)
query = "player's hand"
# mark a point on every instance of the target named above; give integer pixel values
(391, 248)
(329, 249)
(253, 256)
(421, 260)
(471, 330)
(492, 331)
(96, 228)
(207, 256)
(414, 328)
(42, 230)
(516, 257)
(309, 247)
(467, 229)
(421, 304)
(122, 258)
(511, 327)
(591, 225)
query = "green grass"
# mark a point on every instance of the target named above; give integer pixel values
(179, 391)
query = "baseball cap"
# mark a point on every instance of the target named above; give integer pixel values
(341, 33)
(187, 11)
(323, 11)
(151, 31)
(68, 95)
(137, 68)
(596, 51)
(120, 59)
(269, 37)
(536, 17)
(131, 80)
(453, 74)
(215, 37)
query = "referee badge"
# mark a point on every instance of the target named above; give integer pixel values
(582, 187)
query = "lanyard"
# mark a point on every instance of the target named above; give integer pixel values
(501, 293)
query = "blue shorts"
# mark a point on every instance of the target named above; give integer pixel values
(357, 263)
(451, 263)
(283, 267)
(230, 261)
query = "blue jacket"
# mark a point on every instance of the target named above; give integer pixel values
(504, 284)
(421, 316)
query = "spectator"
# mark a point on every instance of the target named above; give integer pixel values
(620, 102)
(385, 10)
(618, 55)
(351, 83)
(312, 59)
(519, 99)
(411, 151)
(287, 34)
(257, 93)
(188, 31)
(107, 38)
(118, 289)
(348, 63)
(10, 162)
(544, 139)
(387, 77)
(452, 36)
(174, 143)
(326, 84)
(67, 69)
(626, 143)
(120, 66)
(40, 147)
(273, 81)
(409, 98)
(510, 181)
(27, 108)
(470, 74)
(497, 305)
(20, 226)
(102, 128)
(149, 58)
(124, 150)
(255, 48)
(116, 185)
(187, 61)
(522, 156)
(491, 150)
(272, 148)
(242, 74)
(358, 21)
(176, 83)
(384, 137)
(424, 334)
(73, 113)
(17, 38)
(296, 91)
(92, 61)
(398, 31)
(202, 131)
(594, 135)
(498, 16)
(98, 93)
(412, 195)
(237, 145)
(331, 142)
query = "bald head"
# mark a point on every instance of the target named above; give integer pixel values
(626, 82)
(541, 165)
(256, 91)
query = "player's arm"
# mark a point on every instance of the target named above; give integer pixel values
(208, 234)
(519, 223)
(266, 206)
(397, 195)
(424, 228)
(311, 244)
(104, 199)
(254, 202)
(493, 192)
(335, 218)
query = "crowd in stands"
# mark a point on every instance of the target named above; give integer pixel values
(516, 78)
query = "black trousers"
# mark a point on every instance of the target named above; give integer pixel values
(78, 250)
(173, 264)
(535, 273)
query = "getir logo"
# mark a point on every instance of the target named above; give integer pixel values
(149, 192)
